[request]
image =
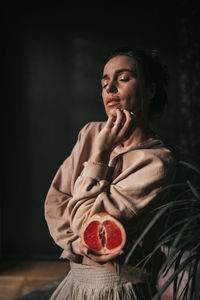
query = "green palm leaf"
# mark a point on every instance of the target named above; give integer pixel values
(181, 236)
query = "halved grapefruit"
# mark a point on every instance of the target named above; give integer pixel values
(103, 234)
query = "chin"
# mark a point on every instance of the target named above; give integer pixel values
(112, 111)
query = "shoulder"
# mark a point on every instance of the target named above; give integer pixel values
(153, 158)
(162, 153)
(91, 129)
(162, 159)
(154, 166)
(157, 150)
(152, 149)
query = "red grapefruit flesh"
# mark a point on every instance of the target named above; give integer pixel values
(91, 235)
(103, 234)
(114, 235)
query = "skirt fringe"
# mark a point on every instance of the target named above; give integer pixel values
(93, 283)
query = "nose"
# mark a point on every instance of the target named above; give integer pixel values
(111, 87)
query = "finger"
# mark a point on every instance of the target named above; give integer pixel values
(109, 123)
(119, 120)
(129, 123)
(104, 257)
(129, 120)
(84, 250)
(89, 252)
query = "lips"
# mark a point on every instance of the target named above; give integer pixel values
(112, 101)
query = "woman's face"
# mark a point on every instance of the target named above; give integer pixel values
(120, 87)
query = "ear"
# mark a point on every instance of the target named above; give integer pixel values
(151, 90)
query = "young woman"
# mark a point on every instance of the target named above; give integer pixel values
(119, 167)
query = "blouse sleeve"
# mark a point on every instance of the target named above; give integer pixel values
(125, 198)
(56, 202)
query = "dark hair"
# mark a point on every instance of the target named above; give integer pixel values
(149, 70)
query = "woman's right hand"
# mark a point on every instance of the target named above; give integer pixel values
(117, 129)
(99, 258)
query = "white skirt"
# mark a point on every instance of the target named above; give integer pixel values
(85, 282)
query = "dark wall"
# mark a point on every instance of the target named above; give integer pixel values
(53, 58)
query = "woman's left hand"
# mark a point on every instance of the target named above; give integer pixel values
(99, 258)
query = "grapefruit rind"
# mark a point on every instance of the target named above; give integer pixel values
(112, 234)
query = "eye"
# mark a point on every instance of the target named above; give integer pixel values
(124, 78)
(104, 84)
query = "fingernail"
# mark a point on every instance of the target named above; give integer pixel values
(86, 252)
(121, 252)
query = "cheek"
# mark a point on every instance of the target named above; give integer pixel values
(133, 99)
(131, 94)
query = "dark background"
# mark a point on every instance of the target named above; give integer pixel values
(53, 57)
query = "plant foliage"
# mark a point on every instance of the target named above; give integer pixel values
(181, 235)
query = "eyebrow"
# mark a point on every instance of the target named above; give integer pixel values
(120, 71)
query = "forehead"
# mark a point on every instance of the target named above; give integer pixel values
(118, 63)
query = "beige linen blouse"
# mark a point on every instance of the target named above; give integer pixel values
(128, 189)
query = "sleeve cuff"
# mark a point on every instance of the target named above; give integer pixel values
(95, 170)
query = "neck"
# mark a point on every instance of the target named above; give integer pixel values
(140, 133)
